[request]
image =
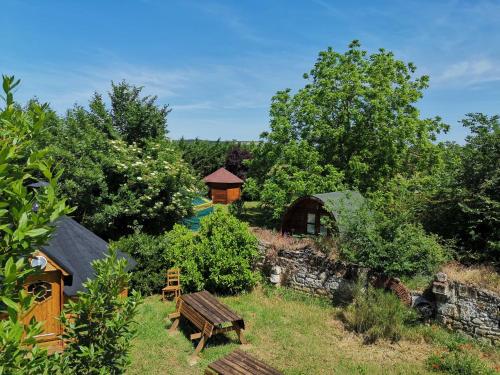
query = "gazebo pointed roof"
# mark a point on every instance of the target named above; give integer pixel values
(223, 176)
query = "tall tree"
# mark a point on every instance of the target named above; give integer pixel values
(137, 118)
(358, 112)
(235, 160)
(118, 186)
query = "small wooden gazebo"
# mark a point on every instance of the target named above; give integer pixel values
(224, 187)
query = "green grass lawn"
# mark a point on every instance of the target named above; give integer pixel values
(295, 333)
(257, 216)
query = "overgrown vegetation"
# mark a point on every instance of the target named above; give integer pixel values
(385, 242)
(482, 276)
(219, 257)
(459, 359)
(99, 324)
(120, 177)
(25, 224)
(377, 314)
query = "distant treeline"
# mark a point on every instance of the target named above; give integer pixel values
(206, 156)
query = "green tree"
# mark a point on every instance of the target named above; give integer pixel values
(480, 179)
(99, 324)
(466, 206)
(205, 156)
(358, 112)
(136, 119)
(297, 172)
(25, 225)
(118, 186)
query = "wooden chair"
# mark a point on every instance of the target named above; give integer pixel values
(173, 284)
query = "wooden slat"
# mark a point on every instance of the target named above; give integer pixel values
(193, 316)
(212, 309)
(174, 315)
(191, 300)
(245, 360)
(221, 309)
(241, 363)
(248, 363)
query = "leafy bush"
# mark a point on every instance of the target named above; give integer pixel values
(227, 252)
(459, 361)
(386, 243)
(153, 257)
(186, 254)
(236, 208)
(377, 315)
(23, 229)
(99, 323)
(219, 257)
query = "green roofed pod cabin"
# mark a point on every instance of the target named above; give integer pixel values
(224, 187)
(304, 215)
(65, 263)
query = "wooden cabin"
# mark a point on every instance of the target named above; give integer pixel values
(65, 264)
(304, 215)
(224, 187)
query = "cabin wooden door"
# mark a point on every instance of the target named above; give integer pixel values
(46, 288)
(219, 196)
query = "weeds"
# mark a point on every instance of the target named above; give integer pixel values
(459, 361)
(377, 315)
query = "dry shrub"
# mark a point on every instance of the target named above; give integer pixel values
(277, 241)
(486, 277)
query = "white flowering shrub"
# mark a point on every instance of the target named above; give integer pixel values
(119, 187)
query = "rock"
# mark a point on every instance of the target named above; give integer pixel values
(441, 277)
(477, 321)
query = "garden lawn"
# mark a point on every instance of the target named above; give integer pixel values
(295, 333)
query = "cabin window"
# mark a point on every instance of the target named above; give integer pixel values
(323, 231)
(41, 290)
(311, 223)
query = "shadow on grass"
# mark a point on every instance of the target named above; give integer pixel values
(257, 216)
(187, 329)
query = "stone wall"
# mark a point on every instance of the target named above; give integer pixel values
(311, 271)
(465, 308)
(460, 307)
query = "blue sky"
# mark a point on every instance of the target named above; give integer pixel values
(218, 63)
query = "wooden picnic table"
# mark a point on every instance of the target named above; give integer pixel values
(240, 363)
(208, 315)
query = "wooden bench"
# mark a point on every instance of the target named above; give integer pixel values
(240, 363)
(208, 315)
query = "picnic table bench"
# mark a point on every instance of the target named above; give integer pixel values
(208, 315)
(240, 363)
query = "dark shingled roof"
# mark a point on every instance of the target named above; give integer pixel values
(73, 247)
(223, 176)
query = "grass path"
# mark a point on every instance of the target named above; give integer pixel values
(296, 334)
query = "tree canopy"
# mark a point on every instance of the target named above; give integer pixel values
(358, 112)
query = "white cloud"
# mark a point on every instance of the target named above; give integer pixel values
(469, 72)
